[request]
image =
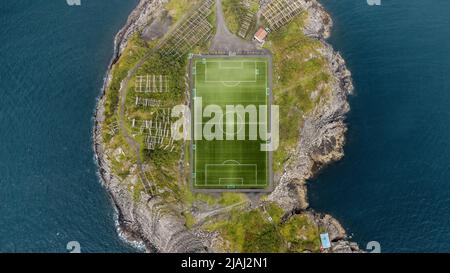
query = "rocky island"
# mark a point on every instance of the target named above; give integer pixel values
(149, 185)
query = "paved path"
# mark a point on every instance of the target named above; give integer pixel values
(224, 40)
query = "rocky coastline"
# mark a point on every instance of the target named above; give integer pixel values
(321, 142)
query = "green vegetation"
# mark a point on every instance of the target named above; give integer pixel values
(232, 10)
(301, 234)
(261, 230)
(301, 79)
(248, 232)
(212, 20)
(230, 198)
(235, 12)
(222, 199)
(190, 220)
(156, 64)
(133, 52)
(138, 188)
(178, 8)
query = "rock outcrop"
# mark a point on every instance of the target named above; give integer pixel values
(323, 133)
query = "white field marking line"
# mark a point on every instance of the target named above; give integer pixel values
(193, 124)
(208, 81)
(248, 84)
(241, 123)
(195, 162)
(267, 122)
(254, 68)
(229, 84)
(232, 178)
(230, 161)
(241, 66)
(222, 164)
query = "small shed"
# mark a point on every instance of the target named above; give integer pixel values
(261, 35)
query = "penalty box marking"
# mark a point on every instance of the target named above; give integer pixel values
(222, 64)
(241, 67)
(255, 166)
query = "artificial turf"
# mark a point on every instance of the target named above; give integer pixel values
(230, 163)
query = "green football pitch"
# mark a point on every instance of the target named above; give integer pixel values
(231, 162)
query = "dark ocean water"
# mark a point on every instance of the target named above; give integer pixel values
(52, 61)
(393, 186)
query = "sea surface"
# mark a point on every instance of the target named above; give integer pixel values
(393, 186)
(53, 58)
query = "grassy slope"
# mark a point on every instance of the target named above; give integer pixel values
(177, 8)
(231, 11)
(121, 162)
(234, 12)
(133, 52)
(261, 230)
(301, 78)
